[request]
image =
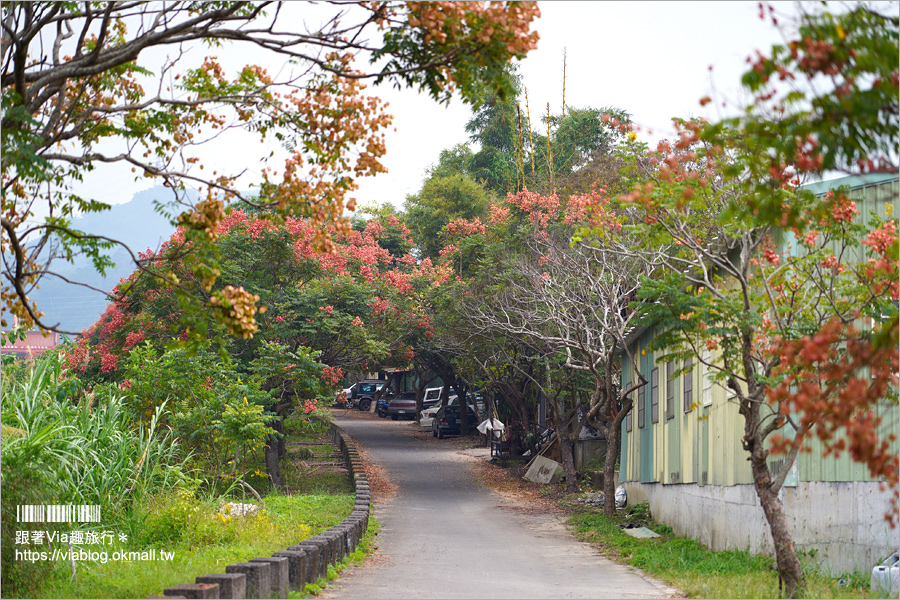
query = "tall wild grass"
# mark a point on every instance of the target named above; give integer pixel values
(59, 448)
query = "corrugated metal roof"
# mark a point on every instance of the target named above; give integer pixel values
(853, 181)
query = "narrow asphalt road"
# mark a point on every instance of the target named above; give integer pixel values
(445, 535)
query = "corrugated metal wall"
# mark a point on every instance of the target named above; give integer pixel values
(703, 445)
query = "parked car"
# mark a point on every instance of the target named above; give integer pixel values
(365, 392)
(426, 416)
(447, 421)
(402, 406)
(345, 396)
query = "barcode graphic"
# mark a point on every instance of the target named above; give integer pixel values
(58, 513)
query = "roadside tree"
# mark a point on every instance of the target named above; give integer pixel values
(320, 313)
(80, 91)
(793, 294)
(567, 300)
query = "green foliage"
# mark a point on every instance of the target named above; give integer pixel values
(242, 427)
(184, 520)
(583, 134)
(213, 411)
(288, 374)
(495, 127)
(395, 236)
(316, 108)
(452, 161)
(479, 40)
(824, 101)
(206, 537)
(198, 528)
(58, 452)
(762, 279)
(35, 457)
(89, 454)
(442, 199)
(13, 335)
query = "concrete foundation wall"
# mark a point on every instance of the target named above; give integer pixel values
(843, 521)
(588, 450)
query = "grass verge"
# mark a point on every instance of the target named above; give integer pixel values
(694, 569)
(203, 538)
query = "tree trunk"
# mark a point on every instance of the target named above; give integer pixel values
(789, 568)
(422, 380)
(278, 426)
(518, 417)
(609, 470)
(568, 459)
(462, 394)
(273, 468)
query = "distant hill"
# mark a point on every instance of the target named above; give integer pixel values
(137, 224)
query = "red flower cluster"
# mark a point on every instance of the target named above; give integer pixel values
(332, 375)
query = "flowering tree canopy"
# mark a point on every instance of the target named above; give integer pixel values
(787, 296)
(77, 93)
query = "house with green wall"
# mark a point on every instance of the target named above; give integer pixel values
(681, 452)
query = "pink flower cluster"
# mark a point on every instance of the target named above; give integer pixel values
(398, 280)
(883, 270)
(879, 240)
(230, 221)
(379, 305)
(541, 208)
(499, 214)
(368, 273)
(79, 356)
(844, 209)
(332, 374)
(133, 338)
(112, 320)
(465, 227)
(108, 362)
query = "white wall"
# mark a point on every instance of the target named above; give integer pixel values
(843, 521)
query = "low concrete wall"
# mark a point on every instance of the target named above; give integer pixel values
(292, 568)
(588, 450)
(843, 521)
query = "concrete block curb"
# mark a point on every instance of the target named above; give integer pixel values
(194, 590)
(259, 584)
(306, 562)
(297, 561)
(313, 559)
(231, 585)
(278, 574)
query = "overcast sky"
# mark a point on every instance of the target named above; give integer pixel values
(651, 59)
